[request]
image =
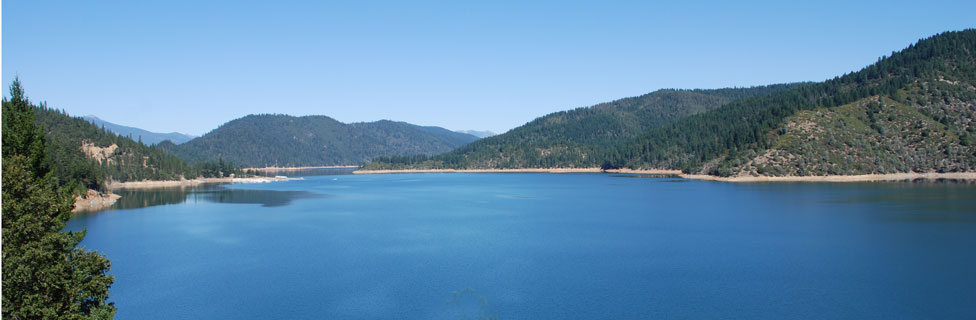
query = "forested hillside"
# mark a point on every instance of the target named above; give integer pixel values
(282, 140)
(79, 151)
(912, 111)
(583, 137)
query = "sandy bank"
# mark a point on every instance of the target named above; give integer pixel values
(551, 170)
(843, 178)
(832, 178)
(154, 184)
(97, 201)
(299, 168)
(264, 179)
(647, 171)
(527, 170)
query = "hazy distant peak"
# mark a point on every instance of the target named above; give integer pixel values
(147, 137)
(479, 134)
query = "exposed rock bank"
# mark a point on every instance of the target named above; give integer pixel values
(94, 201)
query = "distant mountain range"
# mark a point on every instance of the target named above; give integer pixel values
(85, 150)
(912, 111)
(80, 151)
(147, 137)
(283, 140)
(479, 134)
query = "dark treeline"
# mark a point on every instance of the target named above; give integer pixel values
(722, 131)
(45, 274)
(88, 155)
(581, 137)
(288, 141)
(745, 125)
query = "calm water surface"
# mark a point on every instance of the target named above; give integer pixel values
(541, 246)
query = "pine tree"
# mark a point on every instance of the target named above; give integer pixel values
(44, 275)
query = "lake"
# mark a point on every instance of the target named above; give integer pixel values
(541, 246)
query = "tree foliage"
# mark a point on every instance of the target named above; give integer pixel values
(282, 140)
(583, 137)
(45, 276)
(84, 153)
(743, 131)
(745, 126)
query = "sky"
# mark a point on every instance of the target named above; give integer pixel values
(190, 66)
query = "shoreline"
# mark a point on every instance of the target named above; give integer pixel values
(153, 184)
(156, 184)
(904, 176)
(907, 176)
(524, 170)
(298, 168)
(94, 201)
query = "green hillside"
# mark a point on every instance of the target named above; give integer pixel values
(583, 137)
(79, 151)
(282, 140)
(911, 111)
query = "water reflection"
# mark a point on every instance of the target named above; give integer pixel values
(132, 199)
(308, 172)
(931, 201)
(670, 177)
(266, 198)
(897, 201)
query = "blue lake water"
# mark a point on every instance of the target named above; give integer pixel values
(541, 246)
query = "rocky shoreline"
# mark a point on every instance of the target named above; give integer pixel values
(97, 201)
(527, 170)
(94, 201)
(907, 176)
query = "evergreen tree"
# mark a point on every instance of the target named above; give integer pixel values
(44, 275)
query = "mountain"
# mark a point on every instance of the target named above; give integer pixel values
(146, 137)
(282, 140)
(476, 133)
(582, 137)
(912, 111)
(83, 155)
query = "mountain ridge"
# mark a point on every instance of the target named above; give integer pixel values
(86, 156)
(478, 133)
(284, 140)
(933, 78)
(579, 137)
(146, 136)
(912, 111)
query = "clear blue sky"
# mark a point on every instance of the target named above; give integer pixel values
(190, 66)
